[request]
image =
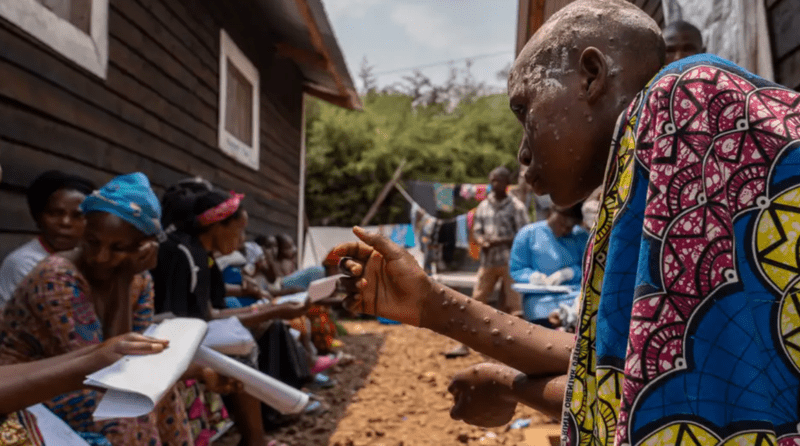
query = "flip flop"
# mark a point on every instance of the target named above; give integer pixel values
(324, 363)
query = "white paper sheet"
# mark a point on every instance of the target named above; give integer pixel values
(230, 337)
(281, 397)
(323, 288)
(55, 432)
(136, 383)
(298, 298)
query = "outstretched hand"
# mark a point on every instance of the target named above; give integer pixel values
(386, 280)
(115, 348)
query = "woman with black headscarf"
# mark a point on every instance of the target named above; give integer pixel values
(205, 221)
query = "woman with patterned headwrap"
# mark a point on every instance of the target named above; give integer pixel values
(100, 290)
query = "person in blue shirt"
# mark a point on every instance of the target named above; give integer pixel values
(549, 252)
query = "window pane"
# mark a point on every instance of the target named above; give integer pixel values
(77, 12)
(239, 106)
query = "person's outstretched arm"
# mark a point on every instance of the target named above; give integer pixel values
(388, 282)
(256, 314)
(22, 385)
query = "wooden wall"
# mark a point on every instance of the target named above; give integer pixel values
(156, 112)
(784, 24)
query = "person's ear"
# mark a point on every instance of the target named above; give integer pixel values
(594, 73)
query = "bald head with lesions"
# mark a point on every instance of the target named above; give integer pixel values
(569, 85)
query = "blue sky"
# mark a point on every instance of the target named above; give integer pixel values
(396, 34)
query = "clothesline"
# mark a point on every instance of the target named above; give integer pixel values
(428, 227)
(412, 202)
(433, 196)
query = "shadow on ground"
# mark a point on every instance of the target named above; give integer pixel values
(317, 428)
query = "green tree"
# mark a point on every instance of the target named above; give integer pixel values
(352, 155)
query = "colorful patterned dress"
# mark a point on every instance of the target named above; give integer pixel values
(20, 429)
(50, 314)
(690, 326)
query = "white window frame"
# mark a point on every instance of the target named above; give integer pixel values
(231, 145)
(90, 51)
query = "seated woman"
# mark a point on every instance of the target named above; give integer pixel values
(54, 200)
(189, 283)
(549, 253)
(102, 289)
(239, 270)
(287, 254)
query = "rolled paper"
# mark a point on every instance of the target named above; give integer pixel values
(281, 397)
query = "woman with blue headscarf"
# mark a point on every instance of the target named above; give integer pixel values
(100, 290)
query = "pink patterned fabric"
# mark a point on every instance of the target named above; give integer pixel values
(690, 322)
(221, 211)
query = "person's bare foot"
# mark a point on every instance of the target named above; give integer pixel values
(458, 352)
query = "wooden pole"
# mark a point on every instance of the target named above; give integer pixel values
(382, 196)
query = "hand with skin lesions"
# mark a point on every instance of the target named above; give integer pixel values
(482, 395)
(387, 280)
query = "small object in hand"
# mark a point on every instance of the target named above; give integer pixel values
(343, 268)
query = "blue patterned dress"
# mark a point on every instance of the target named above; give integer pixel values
(690, 322)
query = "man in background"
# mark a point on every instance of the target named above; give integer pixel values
(683, 40)
(497, 221)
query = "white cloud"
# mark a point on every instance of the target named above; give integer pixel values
(437, 27)
(348, 8)
(425, 25)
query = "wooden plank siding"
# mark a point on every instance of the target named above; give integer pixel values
(535, 12)
(156, 112)
(784, 25)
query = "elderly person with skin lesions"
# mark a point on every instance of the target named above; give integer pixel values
(689, 314)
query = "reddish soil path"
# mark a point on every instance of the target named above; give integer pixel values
(395, 394)
(405, 399)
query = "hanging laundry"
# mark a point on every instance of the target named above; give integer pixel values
(403, 235)
(424, 194)
(427, 227)
(444, 196)
(481, 191)
(471, 219)
(467, 191)
(447, 239)
(462, 232)
(423, 224)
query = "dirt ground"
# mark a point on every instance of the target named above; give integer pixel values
(395, 393)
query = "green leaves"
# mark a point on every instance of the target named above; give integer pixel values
(351, 155)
